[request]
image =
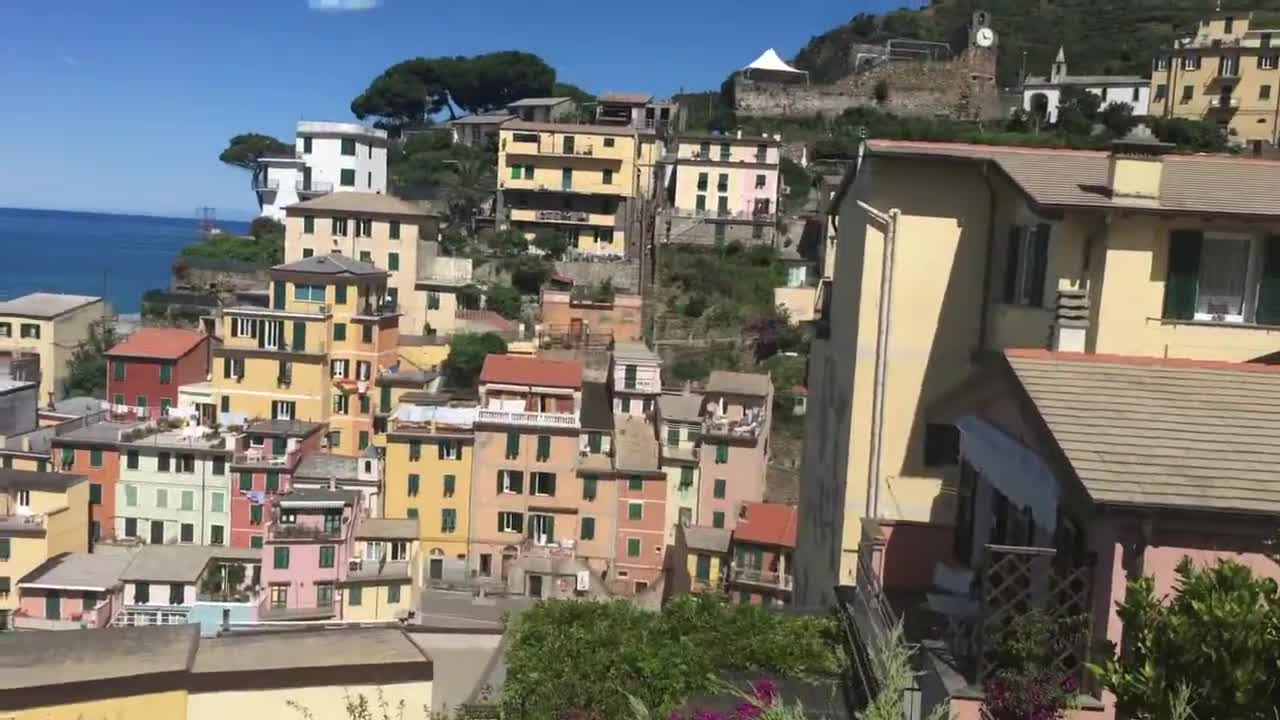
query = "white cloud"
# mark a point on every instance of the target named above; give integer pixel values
(343, 5)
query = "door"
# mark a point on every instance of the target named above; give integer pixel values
(575, 328)
(568, 145)
(53, 605)
(535, 586)
(157, 532)
(436, 568)
(306, 178)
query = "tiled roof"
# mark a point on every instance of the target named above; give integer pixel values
(1079, 178)
(288, 428)
(736, 383)
(310, 648)
(154, 342)
(330, 264)
(323, 466)
(520, 370)
(701, 537)
(635, 351)
(1157, 432)
(767, 524)
(493, 118)
(680, 407)
(81, 570)
(629, 98)
(597, 410)
(359, 202)
(42, 305)
(539, 101)
(486, 317)
(34, 480)
(174, 563)
(387, 529)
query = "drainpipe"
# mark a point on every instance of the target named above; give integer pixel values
(881, 369)
(991, 253)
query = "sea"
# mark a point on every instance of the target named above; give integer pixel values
(114, 256)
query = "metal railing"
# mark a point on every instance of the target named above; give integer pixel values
(278, 531)
(717, 214)
(266, 184)
(563, 215)
(315, 186)
(519, 417)
(758, 576)
(264, 457)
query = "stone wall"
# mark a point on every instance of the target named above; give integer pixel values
(624, 274)
(963, 88)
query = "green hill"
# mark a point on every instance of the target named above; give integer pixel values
(1100, 36)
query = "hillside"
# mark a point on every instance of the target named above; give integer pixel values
(1100, 36)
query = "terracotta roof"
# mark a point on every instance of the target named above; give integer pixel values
(520, 370)
(486, 317)
(1057, 177)
(154, 342)
(1144, 431)
(767, 524)
(359, 202)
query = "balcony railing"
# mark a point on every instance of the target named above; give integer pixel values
(22, 522)
(264, 457)
(757, 576)
(641, 385)
(278, 531)
(313, 186)
(564, 216)
(716, 214)
(519, 417)
(1226, 102)
(266, 184)
(380, 310)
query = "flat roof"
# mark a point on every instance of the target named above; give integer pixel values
(288, 428)
(737, 383)
(318, 495)
(310, 648)
(493, 118)
(11, 479)
(636, 351)
(684, 407)
(8, 386)
(46, 659)
(330, 264)
(77, 406)
(106, 432)
(539, 102)
(45, 306)
(326, 127)
(81, 570)
(635, 449)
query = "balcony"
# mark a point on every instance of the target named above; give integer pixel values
(677, 452)
(373, 311)
(726, 215)
(527, 419)
(640, 385)
(747, 427)
(278, 532)
(34, 524)
(755, 576)
(559, 150)
(262, 457)
(313, 187)
(1225, 102)
(269, 612)
(266, 184)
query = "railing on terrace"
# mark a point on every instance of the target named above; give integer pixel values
(22, 522)
(266, 184)
(279, 531)
(563, 215)
(520, 417)
(758, 576)
(263, 456)
(314, 186)
(717, 214)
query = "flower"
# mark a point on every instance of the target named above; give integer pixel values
(765, 690)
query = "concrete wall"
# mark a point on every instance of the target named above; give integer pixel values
(622, 317)
(18, 410)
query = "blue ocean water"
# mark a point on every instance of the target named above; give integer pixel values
(119, 256)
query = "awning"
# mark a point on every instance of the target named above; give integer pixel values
(1021, 475)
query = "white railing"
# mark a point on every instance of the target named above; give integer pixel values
(517, 417)
(315, 186)
(640, 385)
(756, 576)
(268, 184)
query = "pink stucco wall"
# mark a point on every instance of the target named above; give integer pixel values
(304, 570)
(32, 604)
(910, 551)
(1161, 564)
(651, 528)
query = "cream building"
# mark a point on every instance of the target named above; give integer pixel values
(726, 188)
(47, 326)
(382, 230)
(950, 251)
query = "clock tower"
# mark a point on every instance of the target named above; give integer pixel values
(981, 34)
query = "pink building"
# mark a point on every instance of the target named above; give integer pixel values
(71, 590)
(1077, 474)
(309, 543)
(261, 468)
(734, 457)
(642, 506)
(764, 539)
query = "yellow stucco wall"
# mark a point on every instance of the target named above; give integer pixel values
(58, 339)
(322, 703)
(171, 705)
(374, 602)
(430, 500)
(717, 567)
(66, 530)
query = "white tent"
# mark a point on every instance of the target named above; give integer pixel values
(770, 60)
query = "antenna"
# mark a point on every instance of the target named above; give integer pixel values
(208, 219)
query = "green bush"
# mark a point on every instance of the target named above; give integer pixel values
(504, 300)
(467, 352)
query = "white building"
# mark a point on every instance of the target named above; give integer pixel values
(328, 157)
(1041, 95)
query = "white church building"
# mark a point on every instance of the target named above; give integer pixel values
(1041, 95)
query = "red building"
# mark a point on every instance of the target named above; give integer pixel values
(642, 506)
(261, 468)
(94, 451)
(763, 542)
(146, 368)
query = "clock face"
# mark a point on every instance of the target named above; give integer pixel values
(985, 37)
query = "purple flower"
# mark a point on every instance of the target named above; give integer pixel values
(701, 714)
(747, 711)
(765, 690)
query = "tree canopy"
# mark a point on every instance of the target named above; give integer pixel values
(407, 93)
(467, 352)
(245, 150)
(460, 176)
(87, 367)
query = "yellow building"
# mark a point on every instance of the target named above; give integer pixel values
(700, 557)
(41, 514)
(1227, 72)
(382, 230)
(726, 188)
(384, 580)
(580, 180)
(972, 249)
(428, 477)
(314, 353)
(128, 673)
(38, 333)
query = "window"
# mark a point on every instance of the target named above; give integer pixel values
(306, 145)
(166, 374)
(510, 522)
(722, 183)
(393, 229)
(1264, 92)
(433, 300)
(117, 399)
(625, 403)
(309, 293)
(6, 330)
(717, 519)
(162, 462)
(606, 177)
(6, 550)
(142, 401)
(131, 527)
(608, 142)
(219, 465)
(542, 484)
(273, 481)
(348, 146)
(1191, 61)
(339, 331)
(393, 261)
(215, 502)
(393, 594)
(328, 554)
(510, 482)
(355, 596)
(1216, 278)
(686, 477)
(162, 498)
(339, 226)
(364, 227)
(308, 224)
(117, 369)
(280, 561)
(215, 535)
(448, 449)
(635, 483)
(724, 151)
(141, 593)
(366, 334)
(347, 178)
(1229, 66)
(633, 547)
(131, 495)
(1188, 92)
(255, 514)
(722, 454)
(1025, 265)
(566, 178)
(589, 487)
(941, 445)
(1137, 93)
(279, 596)
(544, 448)
(702, 182)
(1162, 90)
(718, 491)
(513, 445)
(187, 463)
(30, 330)
(1264, 40)
(282, 409)
(635, 511)
(450, 485)
(362, 441)
(1268, 62)
(700, 203)
(414, 482)
(324, 595)
(131, 459)
(95, 494)
(761, 180)
(399, 550)
(448, 520)
(1228, 25)
(187, 533)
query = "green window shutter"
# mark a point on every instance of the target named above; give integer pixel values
(720, 487)
(393, 261)
(544, 447)
(166, 374)
(1011, 266)
(255, 542)
(255, 514)
(1182, 283)
(686, 476)
(364, 404)
(635, 483)
(339, 331)
(308, 224)
(131, 459)
(118, 369)
(355, 595)
(384, 398)
(364, 439)
(246, 480)
(340, 294)
(450, 485)
(588, 488)
(722, 454)
(273, 481)
(594, 442)
(1040, 264)
(635, 511)
(279, 446)
(278, 290)
(633, 547)
(326, 556)
(414, 481)
(588, 529)
(299, 335)
(717, 519)
(220, 466)
(673, 437)
(68, 458)
(515, 172)
(95, 494)
(1269, 285)
(281, 558)
(347, 178)
(394, 229)
(513, 445)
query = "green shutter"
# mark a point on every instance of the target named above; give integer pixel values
(633, 547)
(450, 485)
(1011, 266)
(246, 480)
(717, 519)
(1182, 283)
(594, 442)
(355, 596)
(340, 294)
(722, 454)
(278, 292)
(339, 331)
(273, 481)
(588, 529)
(279, 446)
(1269, 285)
(282, 558)
(635, 511)
(1040, 264)
(299, 335)
(166, 374)
(720, 487)
(513, 445)
(393, 261)
(544, 447)
(413, 484)
(384, 399)
(589, 488)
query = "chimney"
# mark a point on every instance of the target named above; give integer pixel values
(333, 483)
(739, 134)
(1071, 320)
(1134, 167)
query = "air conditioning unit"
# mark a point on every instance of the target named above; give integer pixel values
(355, 564)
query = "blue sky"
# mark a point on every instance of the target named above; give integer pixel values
(124, 106)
